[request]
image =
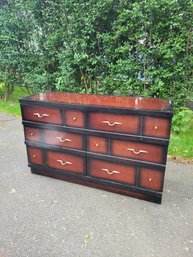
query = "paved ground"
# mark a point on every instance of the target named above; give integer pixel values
(45, 217)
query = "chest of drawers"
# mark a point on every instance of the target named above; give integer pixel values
(112, 143)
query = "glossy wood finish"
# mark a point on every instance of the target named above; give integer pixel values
(42, 114)
(63, 139)
(75, 118)
(66, 162)
(34, 155)
(97, 144)
(139, 151)
(151, 179)
(114, 122)
(32, 134)
(103, 100)
(112, 171)
(114, 143)
(156, 127)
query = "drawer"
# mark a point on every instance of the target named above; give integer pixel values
(63, 139)
(151, 179)
(66, 162)
(112, 171)
(114, 122)
(97, 144)
(139, 151)
(32, 134)
(75, 118)
(42, 114)
(156, 127)
(34, 155)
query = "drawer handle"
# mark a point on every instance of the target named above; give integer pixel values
(111, 124)
(41, 115)
(63, 163)
(135, 152)
(63, 140)
(111, 172)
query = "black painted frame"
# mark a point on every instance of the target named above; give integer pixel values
(150, 195)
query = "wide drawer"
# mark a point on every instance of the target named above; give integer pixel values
(156, 127)
(112, 171)
(151, 179)
(66, 162)
(32, 134)
(63, 139)
(114, 122)
(34, 155)
(139, 151)
(42, 114)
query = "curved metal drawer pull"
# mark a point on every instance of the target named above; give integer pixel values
(110, 172)
(41, 115)
(63, 163)
(63, 140)
(111, 124)
(135, 152)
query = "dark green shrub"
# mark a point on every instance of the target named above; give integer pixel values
(124, 47)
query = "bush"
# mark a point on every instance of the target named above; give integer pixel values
(182, 120)
(6, 90)
(124, 47)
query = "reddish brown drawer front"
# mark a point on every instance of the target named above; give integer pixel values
(97, 144)
(75, 119)
(41, 114)
(34, 155)
(114, 122)
(32, 134)
(65, 162)
(156, 127)
(151, 179)
(145, 152)
(112, 171)
(63, 139)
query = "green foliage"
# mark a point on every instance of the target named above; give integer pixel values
(12, 105)
(181, 144)
(6, 90)
(182, 120)
(136, 47)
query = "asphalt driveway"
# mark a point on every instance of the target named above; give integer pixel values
(45, 217)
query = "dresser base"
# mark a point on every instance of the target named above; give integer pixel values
(156, 198)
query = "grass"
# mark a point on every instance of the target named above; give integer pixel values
(181, 145)
(12, 106)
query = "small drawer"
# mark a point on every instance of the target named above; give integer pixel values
(63, 139)
(112, 171)
(114, 122)
(151, 179)
(34, 155)
(75, 118)
(66, 162)
(42, 114)
(156, 127)
(32, 134)
(139, 151)
(97, 144)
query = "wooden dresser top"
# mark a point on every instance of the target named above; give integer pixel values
(103, 100)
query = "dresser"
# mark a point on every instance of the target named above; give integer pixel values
(114, 143)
